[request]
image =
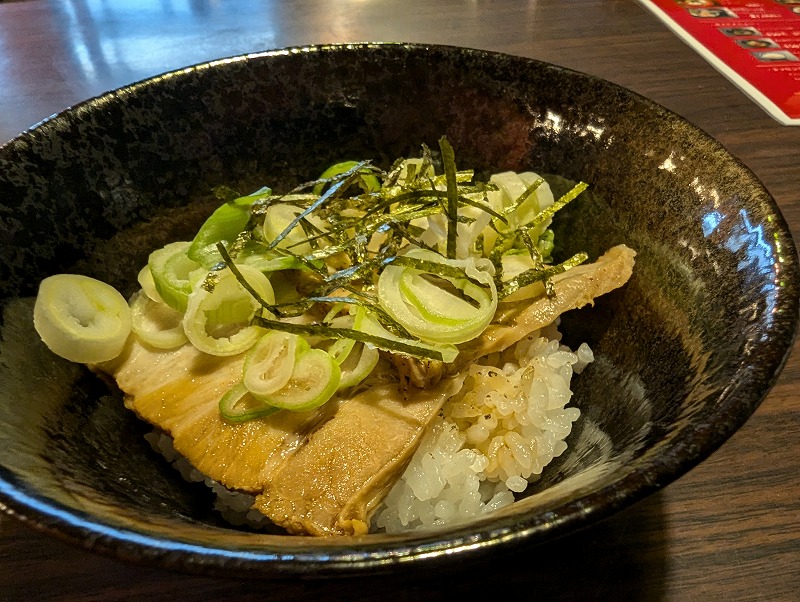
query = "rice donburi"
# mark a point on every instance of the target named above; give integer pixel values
(375, 349)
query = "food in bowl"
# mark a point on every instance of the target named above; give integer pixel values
(372, 344)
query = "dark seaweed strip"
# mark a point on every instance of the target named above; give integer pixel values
(370, 227)
(336, 189)
(449, 163)
(348, 274)
(537, 275)
(241, 279)
(319, 330)
(502, 245)
(523, 197)
(348, 333)
(536, 256)
(533, 250)
(436, 194)
(550, 211)
(431, 267)
(393, 174)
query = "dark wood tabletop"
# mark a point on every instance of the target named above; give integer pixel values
(728, 530)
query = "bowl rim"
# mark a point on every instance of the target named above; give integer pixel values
(355, 555)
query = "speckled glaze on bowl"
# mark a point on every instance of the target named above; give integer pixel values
(685, 352)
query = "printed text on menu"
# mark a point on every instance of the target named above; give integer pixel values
(756, 44)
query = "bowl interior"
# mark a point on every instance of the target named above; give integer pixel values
(685, 352)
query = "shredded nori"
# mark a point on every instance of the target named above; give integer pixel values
(367, 229)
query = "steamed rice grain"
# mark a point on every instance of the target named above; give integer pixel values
(492, 439)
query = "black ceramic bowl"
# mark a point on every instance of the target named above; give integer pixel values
(685, 352)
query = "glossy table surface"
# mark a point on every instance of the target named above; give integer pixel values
(730, 529)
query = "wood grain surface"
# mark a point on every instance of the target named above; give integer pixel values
(728, 530)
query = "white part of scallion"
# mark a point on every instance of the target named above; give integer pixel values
(173, 273)
(447, 352)
(239, 405)
(156, 324)
(270, 362)
(81, 319)
(217, 322)
(314, 381)
(433, 313)
(513, 186)
(359, 363)
(341, 349)
(277, 218)
(515, 264)
(145, 278)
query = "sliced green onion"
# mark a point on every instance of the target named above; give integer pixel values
(157, 324)
(434, 265)
(219, 321)
(368, 181)
(372, 333)
(277, 219)
(81, 319)
(239, 405)
(360, 362)
(523, 197)
(434, 314)
(437, 304)
(269, 364)
(545, 244)
(356, 360)
(174, 273)
(145, 279)
(314, 381)
(341, 349)
(224, 225)
(378, 336)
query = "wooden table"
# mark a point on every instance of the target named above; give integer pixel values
(729, 530)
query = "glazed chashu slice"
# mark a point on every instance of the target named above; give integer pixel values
(333, 483)
(322, 472)
(179, 391)
(574, 289)
(354, 445)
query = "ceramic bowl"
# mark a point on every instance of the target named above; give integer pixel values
(685, 351)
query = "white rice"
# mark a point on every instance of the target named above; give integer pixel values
(492, 440)
(488, 443)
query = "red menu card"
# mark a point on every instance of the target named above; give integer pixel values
(755, 44)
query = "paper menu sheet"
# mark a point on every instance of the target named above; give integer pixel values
(755, 44)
